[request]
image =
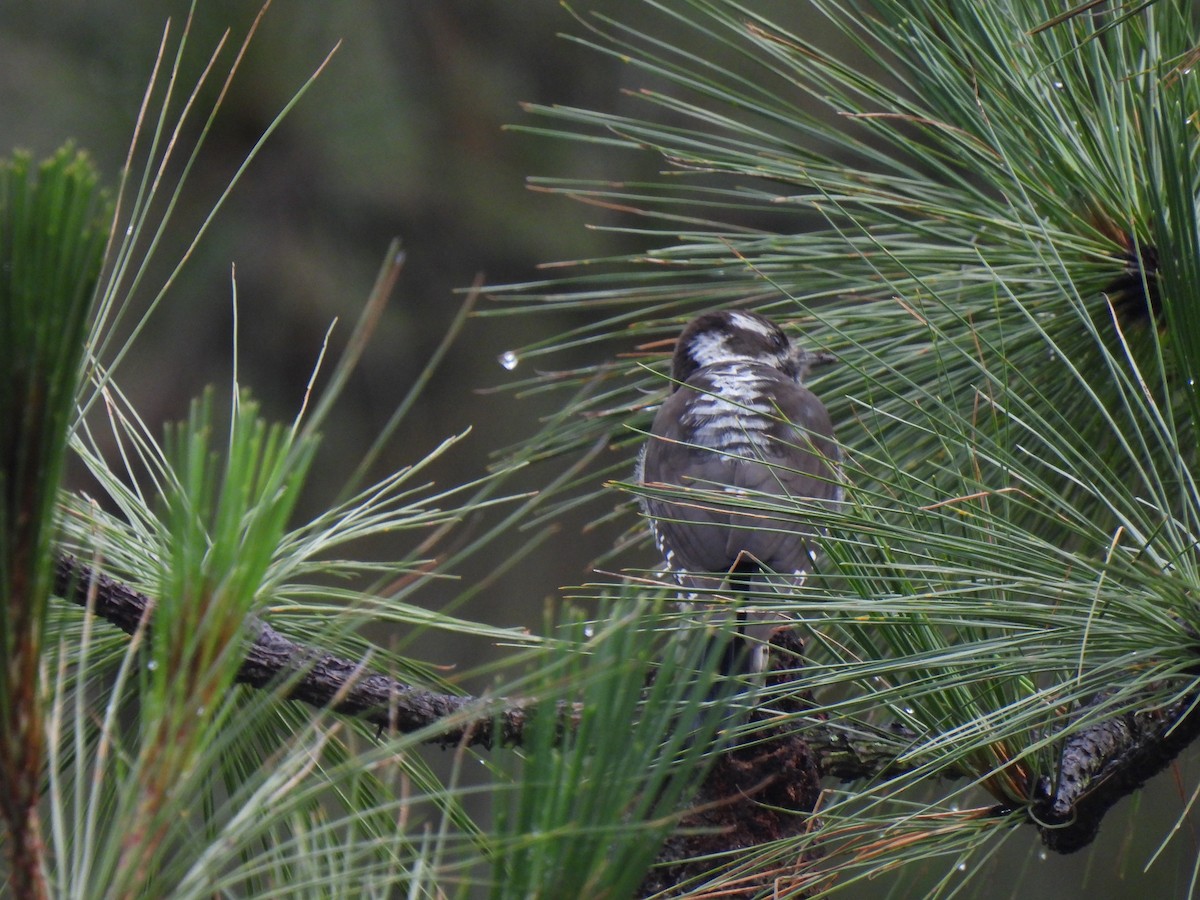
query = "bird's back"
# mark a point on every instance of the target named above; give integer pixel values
(746, 430)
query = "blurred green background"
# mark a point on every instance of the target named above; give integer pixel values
(401, 136)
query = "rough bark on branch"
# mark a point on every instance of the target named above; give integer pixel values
(318, 678)
(1105, 762)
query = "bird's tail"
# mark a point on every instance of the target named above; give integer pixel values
(746, 653)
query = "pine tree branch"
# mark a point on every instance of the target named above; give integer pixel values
(1097, 768)
(318, 678)
(1105, 762)
(326, 681)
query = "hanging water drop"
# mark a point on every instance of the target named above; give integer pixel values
(152, 665)
(509, 359)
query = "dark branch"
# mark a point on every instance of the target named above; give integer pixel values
(319, 678)
(330, 682)
(1098, 766)
(1105, 762)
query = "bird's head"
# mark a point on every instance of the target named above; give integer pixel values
(735, 335)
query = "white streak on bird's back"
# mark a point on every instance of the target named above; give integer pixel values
(708, 348)
(733, 415)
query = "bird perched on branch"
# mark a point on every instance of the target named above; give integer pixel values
(739, 422)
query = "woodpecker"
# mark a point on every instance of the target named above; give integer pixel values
(740, 421)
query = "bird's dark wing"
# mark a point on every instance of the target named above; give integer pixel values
(803, 448)
(686, 528)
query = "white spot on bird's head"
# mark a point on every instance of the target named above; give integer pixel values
(757, 324)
